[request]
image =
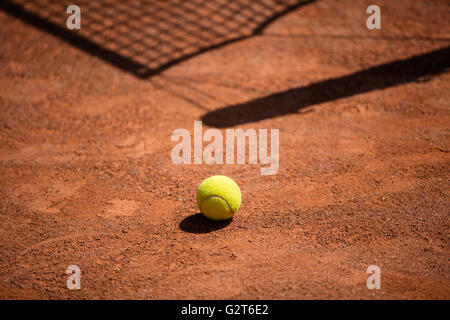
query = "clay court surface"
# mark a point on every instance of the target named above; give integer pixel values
(87, 178)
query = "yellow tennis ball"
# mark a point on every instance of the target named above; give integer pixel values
(218, 197)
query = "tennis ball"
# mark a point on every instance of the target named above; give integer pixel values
(218, 197)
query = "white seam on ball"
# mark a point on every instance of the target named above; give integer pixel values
(208, 197)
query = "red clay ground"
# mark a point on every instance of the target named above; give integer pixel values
(87, 179)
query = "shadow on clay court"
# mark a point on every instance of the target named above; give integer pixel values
(417, 68)
(146, 37)
(197, 223)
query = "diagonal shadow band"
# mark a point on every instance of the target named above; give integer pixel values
(147, 38)
(293, 100)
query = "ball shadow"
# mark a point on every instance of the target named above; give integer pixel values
(197, 223)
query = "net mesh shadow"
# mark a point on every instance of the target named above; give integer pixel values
(147, 36)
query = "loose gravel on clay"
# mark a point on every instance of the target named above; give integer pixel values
(86, 176)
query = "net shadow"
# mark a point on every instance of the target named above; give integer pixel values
(416, 68)
(145, 37)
